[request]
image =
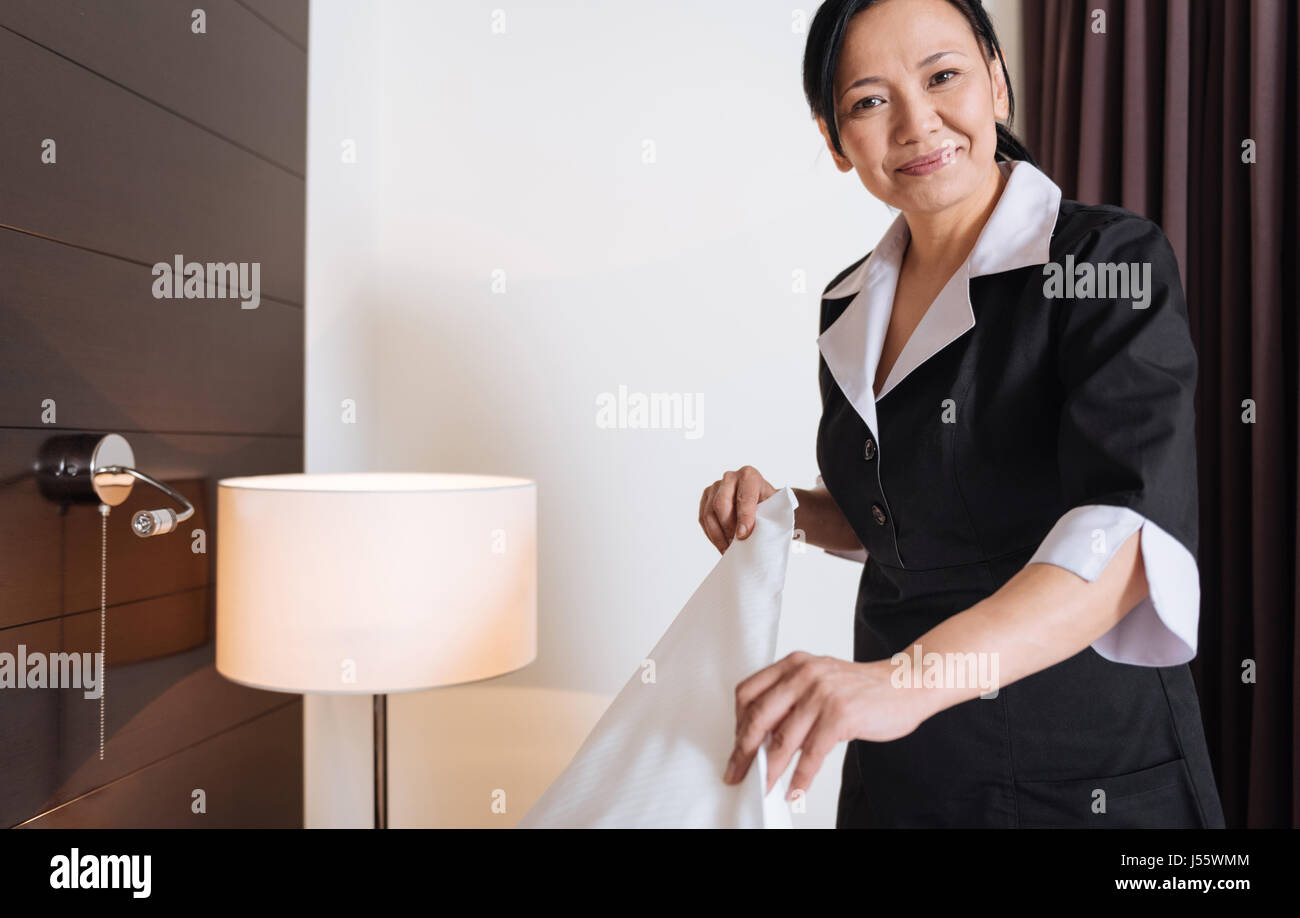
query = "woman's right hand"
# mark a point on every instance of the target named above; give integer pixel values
(727, 506)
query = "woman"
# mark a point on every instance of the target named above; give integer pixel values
(1007, 442)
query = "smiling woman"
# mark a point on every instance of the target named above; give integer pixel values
(1015, 467)
(921, 132)
(977, 46)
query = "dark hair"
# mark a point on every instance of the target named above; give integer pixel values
(822, 57)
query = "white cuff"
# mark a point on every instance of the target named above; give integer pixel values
(1161, 629)
(860, 555)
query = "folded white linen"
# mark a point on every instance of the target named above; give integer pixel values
(656, 756)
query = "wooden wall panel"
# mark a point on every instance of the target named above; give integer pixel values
(161, 693)
(251, 776)
(84, 330)
(30, 720)
(134, 180)
(165, 147)
(238, 79)
(289, 17)
(49, 556)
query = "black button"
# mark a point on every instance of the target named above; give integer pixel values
(879, 513)
(869, 451)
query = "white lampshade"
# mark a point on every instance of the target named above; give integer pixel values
(374, 583)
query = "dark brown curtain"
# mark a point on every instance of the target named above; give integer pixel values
(1152, 115)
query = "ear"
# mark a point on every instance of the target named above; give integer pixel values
(840, 162)
(1001, 104)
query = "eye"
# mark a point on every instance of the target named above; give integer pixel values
(942, 73)
(859, 106)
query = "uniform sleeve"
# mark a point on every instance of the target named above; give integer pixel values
(1161, 629)
(860, 555)
(1127, 443)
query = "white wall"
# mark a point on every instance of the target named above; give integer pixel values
(524, 151)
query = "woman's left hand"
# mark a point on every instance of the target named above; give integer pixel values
(811, 703)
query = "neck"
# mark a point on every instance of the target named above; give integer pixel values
(946, 237)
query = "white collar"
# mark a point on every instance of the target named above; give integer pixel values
(1017, 234)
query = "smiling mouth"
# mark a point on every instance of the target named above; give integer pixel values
(930, 163)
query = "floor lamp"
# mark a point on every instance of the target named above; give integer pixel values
(374, 583)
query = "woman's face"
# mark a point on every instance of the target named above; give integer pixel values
(912, 82)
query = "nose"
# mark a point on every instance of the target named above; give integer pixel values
(916, 119)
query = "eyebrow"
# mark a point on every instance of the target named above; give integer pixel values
(875, 79)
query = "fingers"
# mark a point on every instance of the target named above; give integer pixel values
(761, 709)
(748, 494)
(790, 735)
(747, 690)
(710, 523)
(724, 504)
(818, 744)
(728, 506)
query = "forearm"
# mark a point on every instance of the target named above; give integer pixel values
(822, 522)
(1041, 616)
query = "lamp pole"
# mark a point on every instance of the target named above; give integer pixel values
(381, 761)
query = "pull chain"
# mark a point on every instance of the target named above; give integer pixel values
(104, 510)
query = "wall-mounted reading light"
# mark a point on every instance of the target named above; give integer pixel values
(90, 468)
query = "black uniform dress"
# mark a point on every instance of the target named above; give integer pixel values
(1041, 405)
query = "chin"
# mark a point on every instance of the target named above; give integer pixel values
(930, 200)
